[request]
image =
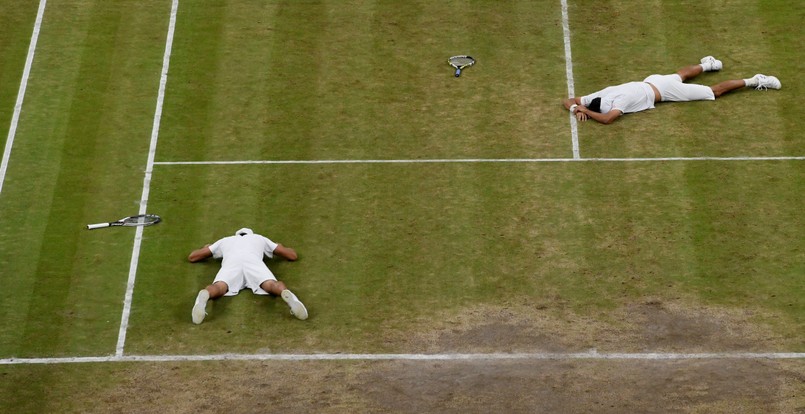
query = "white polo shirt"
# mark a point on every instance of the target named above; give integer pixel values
(242, 266)
(627, 98)
(240, 249)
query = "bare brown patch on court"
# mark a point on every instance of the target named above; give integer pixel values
(488, 385)
(648, 325)
(479, 386)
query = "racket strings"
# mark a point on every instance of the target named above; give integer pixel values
(141, 220)
(461, 60)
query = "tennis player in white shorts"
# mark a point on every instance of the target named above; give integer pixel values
(672, 89)
(242, 267)
(608, 104)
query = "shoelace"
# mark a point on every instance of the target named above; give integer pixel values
(761, 84)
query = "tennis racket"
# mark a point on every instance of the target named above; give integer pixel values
(460, 62)
(141, 220)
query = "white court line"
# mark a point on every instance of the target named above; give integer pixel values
(590, 355)
(574, 130)
(480, 160)
(15, 118)
(138, 235)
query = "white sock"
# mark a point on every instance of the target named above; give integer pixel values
(751, 82)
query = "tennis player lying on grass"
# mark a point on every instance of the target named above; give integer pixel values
(607, 105)
(243, 267)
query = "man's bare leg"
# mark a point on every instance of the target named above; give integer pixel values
(278, 288)
(690, 72)
(215, 290)
(727, 86)
(274, 287)
(708, 64)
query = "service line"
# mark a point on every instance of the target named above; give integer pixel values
(480, 160)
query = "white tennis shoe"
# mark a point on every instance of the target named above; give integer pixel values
(764, 82)
(297, 308)
(200, 308)
(711, 64)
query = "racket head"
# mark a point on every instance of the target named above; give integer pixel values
(461, 61)
(140, 220)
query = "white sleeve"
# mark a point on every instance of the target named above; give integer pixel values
(269, 247)
(215, 248)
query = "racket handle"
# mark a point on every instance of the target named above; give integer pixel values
(97, 226)
(458, 72)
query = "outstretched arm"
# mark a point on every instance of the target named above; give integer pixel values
(286, 252)
(582, 113)
(200, 254)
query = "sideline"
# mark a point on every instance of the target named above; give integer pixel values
(138, 235)
(574, 129)
(15, 118)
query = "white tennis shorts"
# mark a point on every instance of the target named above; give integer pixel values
(245, 275)
(672, 89)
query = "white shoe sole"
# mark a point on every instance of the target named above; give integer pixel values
(297, 308)
(199, 311)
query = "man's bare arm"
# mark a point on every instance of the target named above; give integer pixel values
(200, 254)
(605, 119)
(285, 252)
(570, 102)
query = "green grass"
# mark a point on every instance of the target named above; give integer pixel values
(81, 148)
(385, 247)
(439, 237)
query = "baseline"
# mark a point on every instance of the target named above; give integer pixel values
(590, 355)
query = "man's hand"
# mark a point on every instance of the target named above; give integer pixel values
(581, 115)
(286, 252)
(200, 254)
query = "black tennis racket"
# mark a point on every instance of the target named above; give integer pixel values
(141, 220)
(460, 62)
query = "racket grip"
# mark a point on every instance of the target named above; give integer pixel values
(97, 226)
(458, 72)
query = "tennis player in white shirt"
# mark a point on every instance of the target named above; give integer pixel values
(242, 267)
(608, 104)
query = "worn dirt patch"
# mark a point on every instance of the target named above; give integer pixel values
(528, 386)
(648, 325)
(725, 385)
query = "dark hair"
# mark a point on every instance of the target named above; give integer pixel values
(595, 105)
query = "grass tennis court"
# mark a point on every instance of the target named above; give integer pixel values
(455, 253)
